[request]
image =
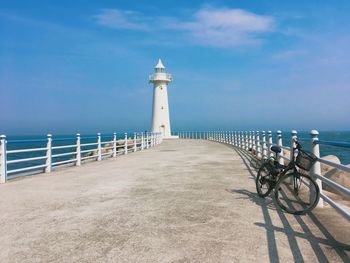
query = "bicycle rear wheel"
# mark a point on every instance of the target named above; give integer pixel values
(264, 179)
(297, 193)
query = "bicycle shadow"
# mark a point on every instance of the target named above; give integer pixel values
(269, 204)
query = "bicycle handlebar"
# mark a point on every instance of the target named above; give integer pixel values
(298, 145)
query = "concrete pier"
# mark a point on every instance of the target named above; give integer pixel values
(182, 201)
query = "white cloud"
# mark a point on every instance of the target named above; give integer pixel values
(225, 27)
(120, 19)
(221, 27)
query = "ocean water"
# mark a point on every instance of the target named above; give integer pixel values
(342, 153)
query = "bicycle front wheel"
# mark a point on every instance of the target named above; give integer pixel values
(264, 180)
(297, 193)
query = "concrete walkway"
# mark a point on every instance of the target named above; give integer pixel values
(182, 201)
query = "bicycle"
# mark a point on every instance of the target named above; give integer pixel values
(295, 192)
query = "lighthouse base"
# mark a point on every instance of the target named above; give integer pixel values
(171, 137)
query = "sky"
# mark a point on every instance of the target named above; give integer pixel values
(83, 66)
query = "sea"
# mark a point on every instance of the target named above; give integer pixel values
(13, 143)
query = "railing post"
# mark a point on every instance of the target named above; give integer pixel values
(240, 142)
(3, 160)
(147, 140)
(292, 144)
(114, 144)
(264, 155)
(245, 142)
(78, 161)
(250, 141)
(253, 143)
(126, 143)
(280, 144)
(258, 146)
(49, 154)
(243, 139)
(269, 144)
(99, 148)
(316, 168)
(142, 145)
(239, 139)
(293, 138)
(135, 143)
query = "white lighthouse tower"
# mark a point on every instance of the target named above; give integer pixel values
(160, 112)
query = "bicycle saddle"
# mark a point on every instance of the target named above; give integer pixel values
(276, 149)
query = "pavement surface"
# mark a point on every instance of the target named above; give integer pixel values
(181, 201)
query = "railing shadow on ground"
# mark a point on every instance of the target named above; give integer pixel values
(252, 164)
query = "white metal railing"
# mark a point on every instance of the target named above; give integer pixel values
(21, 161)
(160, 76)
(251, 142)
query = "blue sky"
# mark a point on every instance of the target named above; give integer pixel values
(69, 66)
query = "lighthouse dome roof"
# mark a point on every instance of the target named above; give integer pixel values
(159, 65)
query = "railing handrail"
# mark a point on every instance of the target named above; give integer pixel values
(334, 143)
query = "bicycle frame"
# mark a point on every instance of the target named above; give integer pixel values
(285, 168)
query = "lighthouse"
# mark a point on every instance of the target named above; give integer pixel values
(160, 110)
